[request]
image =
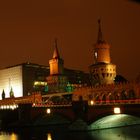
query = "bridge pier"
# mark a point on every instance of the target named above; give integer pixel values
(24, 113)
(7, 117)
(80, 109)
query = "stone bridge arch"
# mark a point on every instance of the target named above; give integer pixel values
(131, 94)
(115, 120)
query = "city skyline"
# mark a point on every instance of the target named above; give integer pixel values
(28, 30)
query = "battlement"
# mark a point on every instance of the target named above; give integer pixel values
(119, 91)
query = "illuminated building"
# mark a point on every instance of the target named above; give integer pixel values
(102, 71)
(22, 79)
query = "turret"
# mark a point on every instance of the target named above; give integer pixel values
(101, 48)
(56, 63)
(102, 71)
(56, 81)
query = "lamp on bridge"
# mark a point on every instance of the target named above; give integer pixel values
(117, 110)
(48, 111)
(91, 102)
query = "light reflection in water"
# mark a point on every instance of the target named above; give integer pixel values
(123, 133)
(49, 136)
(13, 136)
(8, 136)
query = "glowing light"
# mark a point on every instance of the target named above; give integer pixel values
(1, 107)
(40, 83)
(49, 137)
(48, 110)
(8, 106)
(117, 110)
(13, 136)
(95, 54)
(91, 102)
(12, 107)
(4, 107)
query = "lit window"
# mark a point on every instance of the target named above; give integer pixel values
(40, 83)
(96, 54)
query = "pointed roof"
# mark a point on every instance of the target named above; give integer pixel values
(3, 92)
(11, 92)
(100, 35)
(55, 53)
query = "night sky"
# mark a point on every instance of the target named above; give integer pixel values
(28, 29)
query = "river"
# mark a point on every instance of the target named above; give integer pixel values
(123, 133)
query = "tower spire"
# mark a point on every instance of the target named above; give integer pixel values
(100, 35)
(55, 53)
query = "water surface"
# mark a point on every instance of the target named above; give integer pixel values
(123, 133)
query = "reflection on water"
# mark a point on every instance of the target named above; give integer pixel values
(49, 136)
(124, 133)
(8, 136)
(14, 136)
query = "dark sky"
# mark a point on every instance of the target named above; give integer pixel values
(28, 29)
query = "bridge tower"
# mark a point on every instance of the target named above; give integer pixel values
(57, 81)
(102, 71)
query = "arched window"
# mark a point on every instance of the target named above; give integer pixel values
(131, 94)
(123, 95)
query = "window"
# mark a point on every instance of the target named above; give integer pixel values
(96, 55)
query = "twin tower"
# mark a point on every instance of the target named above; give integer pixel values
(102, 71)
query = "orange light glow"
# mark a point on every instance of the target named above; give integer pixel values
(49, 137)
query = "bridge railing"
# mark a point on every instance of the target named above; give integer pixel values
(106, 102)
(59, 104)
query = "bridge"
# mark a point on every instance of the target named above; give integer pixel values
(35, 110)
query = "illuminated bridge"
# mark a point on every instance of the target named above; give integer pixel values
(34, 110)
